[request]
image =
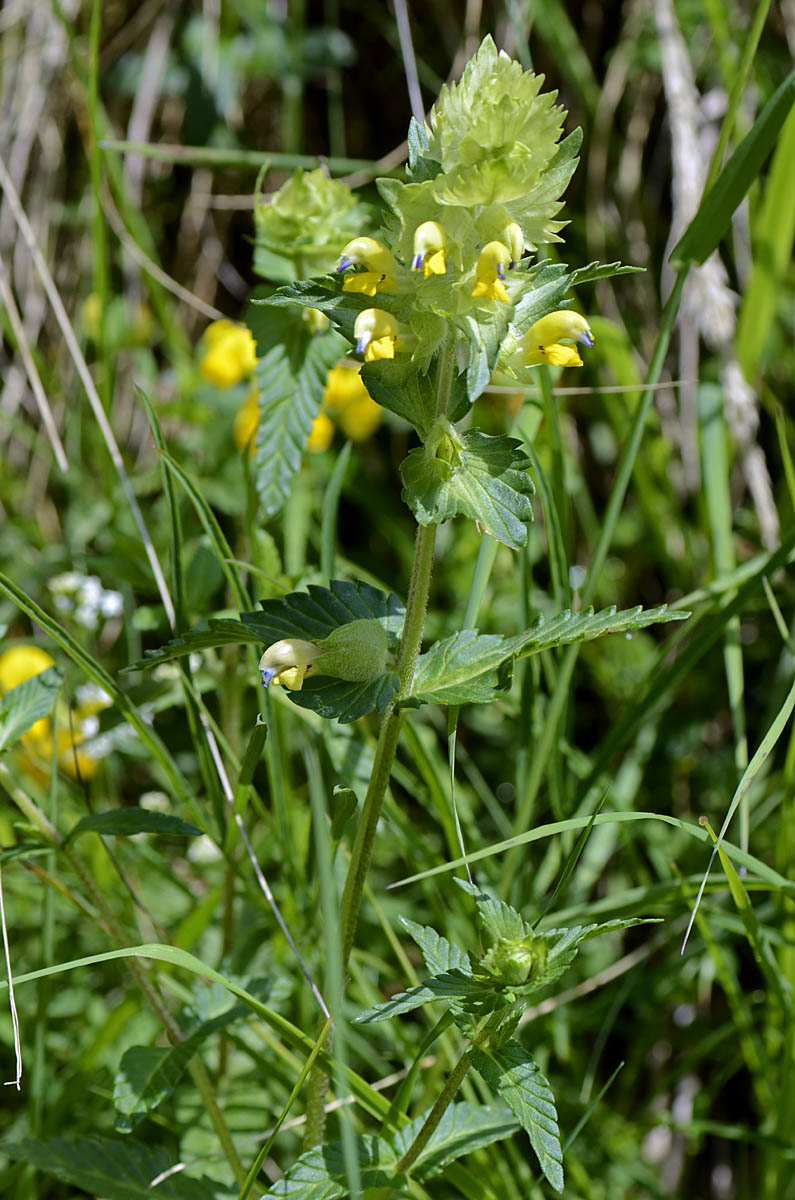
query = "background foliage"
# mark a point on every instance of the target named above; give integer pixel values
(144, 250)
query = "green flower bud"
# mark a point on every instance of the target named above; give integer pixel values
(356, 651)
(513, 961)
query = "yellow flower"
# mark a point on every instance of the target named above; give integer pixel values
(21, 663)
(541, 343)
(490, 270)
(376, 334)
(380, 267)
(288, 662)
(230, 354)
(321, 435)
(429, 247)
(246, 421)
(350, 403)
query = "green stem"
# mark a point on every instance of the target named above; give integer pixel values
(444, 1100)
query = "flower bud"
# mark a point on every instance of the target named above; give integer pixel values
(355, 651)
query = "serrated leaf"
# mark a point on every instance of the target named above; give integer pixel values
(346, 700)
(320, 1173)
(30, 701)
(439, 954)
(454, 986)
(146, 1076)
(404, 390)
(463, 1129)
(585, 626)
(114, 1168)
(485, 334)
(340, 307)
(462, 669)
(468, 667)
(597, 270)
(318, 611)
(499, 919)
(124, 822)
(291, 379)
(474, 475)
(513, 1074)
(219, 632)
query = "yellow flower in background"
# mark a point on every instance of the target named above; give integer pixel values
(321, 434)
(230, 354)
(350, 403)
(246, 421)
(21, 663)
(541, 343)
(490, 271)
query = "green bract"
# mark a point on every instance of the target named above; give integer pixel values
(304, 225)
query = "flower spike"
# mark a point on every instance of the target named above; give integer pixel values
(429, 247)
(490, 270)
(376, 334)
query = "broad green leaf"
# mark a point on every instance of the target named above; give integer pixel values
(219, 632)
(320, 1173)
(513, 1074)
(291, 378)
(439, 954)
(344, 699)
(585, 626)
(124, 822)
(404, 390)
(484, 334)
(469, 667)
(27, 703)
(318, 611)
(474, 475)
(454, 986)
(146, 1075)
(462, 669)
(710, 223)
(463, 1129)
(114, 1168)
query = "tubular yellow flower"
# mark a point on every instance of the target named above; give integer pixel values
(317, 321)
(230, 354)
(321, 435)
(380, 266)
(288, 662)
(376, 334)
(541, 343)
(429, 247)
(350, 403)
(490, 269)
